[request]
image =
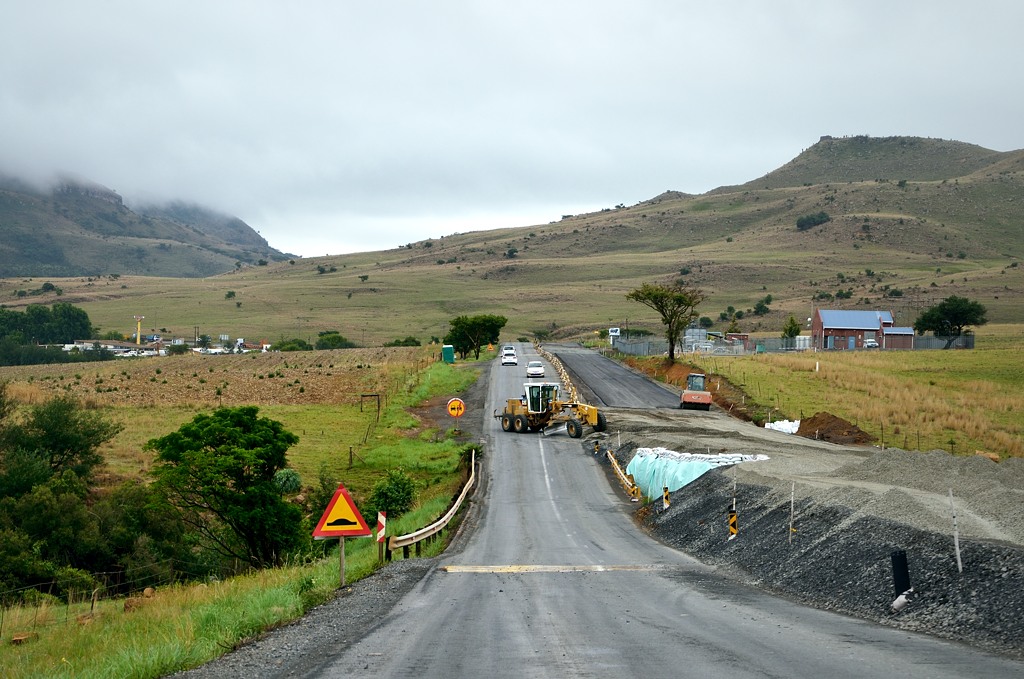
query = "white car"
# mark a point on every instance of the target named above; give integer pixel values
(535, 369)
(870, 344)
(509, 359)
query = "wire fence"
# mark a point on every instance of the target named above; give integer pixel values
(61, 601)
(652, 347)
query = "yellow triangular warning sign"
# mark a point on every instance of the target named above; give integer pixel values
(341, 519)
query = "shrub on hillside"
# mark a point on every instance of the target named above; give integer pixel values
(810, 221)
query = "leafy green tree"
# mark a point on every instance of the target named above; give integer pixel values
(409, 341)
(676, 304)
(62, 323)
(950, 317)
(288, 480)
(791, 329)
(472, 333)
(789, 332)
(68, 323)
(393, 494)
(294, 344)
(331, 339)
(63, 529)
(59, 433)
(218, 471)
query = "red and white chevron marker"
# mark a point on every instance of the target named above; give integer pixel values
(381, 522)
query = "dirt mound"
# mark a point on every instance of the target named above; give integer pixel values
(828, 427)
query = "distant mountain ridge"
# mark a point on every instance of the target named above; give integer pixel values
(81, 228)
(862, 158)
(911, 221)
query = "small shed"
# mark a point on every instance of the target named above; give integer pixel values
(844, 329)
(897, 338)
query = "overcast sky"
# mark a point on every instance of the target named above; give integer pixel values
(335, 127)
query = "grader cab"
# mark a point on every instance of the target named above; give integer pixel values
(539, 408)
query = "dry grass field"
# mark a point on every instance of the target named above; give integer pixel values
(327, 398)
(961, 401)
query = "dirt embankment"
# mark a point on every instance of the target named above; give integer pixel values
(732, 400)
(852, 507)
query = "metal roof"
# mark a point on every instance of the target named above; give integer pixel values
(898, 331)
(854, 320)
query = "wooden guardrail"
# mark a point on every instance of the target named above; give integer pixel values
(414, 538)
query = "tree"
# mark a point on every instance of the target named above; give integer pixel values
(218, 471)
(409, 341)
(394, 494)
(471, 333)
(332, 339)
(676, 304)
(294, 344)
(949, 317)
(808, 221)
(789, 332)
(56, 436)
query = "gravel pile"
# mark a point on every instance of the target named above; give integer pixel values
(839, 555)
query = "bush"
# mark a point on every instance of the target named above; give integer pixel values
(288, 480)
(393, 494)
(809, 221)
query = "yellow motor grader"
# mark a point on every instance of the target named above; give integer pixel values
(539, 408)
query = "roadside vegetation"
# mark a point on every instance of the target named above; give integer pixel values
(81, 629)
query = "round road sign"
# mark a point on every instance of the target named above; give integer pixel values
(456, 407)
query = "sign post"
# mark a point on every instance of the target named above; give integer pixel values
(456, 408)
(381, 523)
(341, 519)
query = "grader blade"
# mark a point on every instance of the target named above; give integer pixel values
(553, 428)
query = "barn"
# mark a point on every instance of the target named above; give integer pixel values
(844, 329)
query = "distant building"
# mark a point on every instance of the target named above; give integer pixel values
(840, 329)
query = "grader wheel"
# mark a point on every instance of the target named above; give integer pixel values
(602, 422)
(574, 428)
(520, 424)
(506, 423)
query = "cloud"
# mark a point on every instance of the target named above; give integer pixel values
(317, 118)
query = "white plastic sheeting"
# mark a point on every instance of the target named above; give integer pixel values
(785, 426)
(655, 468)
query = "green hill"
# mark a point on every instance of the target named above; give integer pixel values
(862, 158)
(933, 219)
(82, 229)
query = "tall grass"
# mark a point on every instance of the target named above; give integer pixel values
(960, 401)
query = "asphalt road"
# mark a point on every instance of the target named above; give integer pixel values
(607, 383)
(553, 579)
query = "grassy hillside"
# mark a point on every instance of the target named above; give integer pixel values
(901, 242)
(84, 229)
